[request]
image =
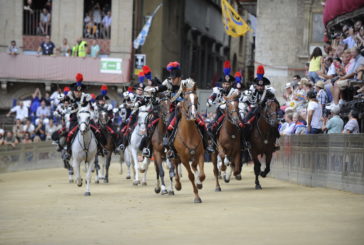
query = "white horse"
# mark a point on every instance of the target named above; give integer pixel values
(131, 151)
(84, 148)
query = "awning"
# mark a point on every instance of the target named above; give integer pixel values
(335, 8)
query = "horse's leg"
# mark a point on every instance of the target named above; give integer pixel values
(179, 169)
(97, 170)
(121, 159)
(227, 163)
(107, 166)
(88, 177)
(134, 157)
(127, 160)
(76, 167)
(159, 163)
(178, 184)
(256, 171)
(237, 165)
(216, 170)
(145, 164)
(268, 159)
(157, 188)
(191, 176)
(171, 176)
(196, 173)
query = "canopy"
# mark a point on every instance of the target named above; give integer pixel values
(335, 8)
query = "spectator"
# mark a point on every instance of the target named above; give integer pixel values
(10, 139)
(2, 132)
(35, 102)
(349, 41)
(13, 49)
(40, 131)
(288, 126)
(328, 70)
(91, 29)
(299, 124)
(28, 127)
(296, 79)
(315, 64)
(18, 130)
(335, 124)
(321, 94)
(55, 97)
(80, 49)
(50, 129)
(96, 15)
(95, 49)
(43, 110)
(307, 86)
(106, 25)
(288, 95)
(26, 139)
(45, 21)
(314, 114)
(47, 99)
(48, 5)
(360, 38)
(299, 94)
(64, 49)
(352, 126)
(46, 47)
(22, 112)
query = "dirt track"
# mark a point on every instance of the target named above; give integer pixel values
(40, 207)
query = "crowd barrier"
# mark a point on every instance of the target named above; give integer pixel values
(333, 161)
(29, 156)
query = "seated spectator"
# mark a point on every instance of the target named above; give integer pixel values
(288, 126)
(44, 22)
(43, 110)
(26, 139)
(314, 114)
(352, 126)
(28, 127)
(50, 129)
(360, 38)
(47, 99)
(40, 131)
(46, 47)
(328, 70)
(91, 29)
(21, 111)
(335, 124)
(295, 80)
(95, 49)
(350, 39)
(2, 132)
(299, 124)
(106, 25)
(13, 49)
(315, 64)
(64, 49)
(10, 139)
(18, 130)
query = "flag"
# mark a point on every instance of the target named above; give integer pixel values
(235, 26)
(139, 41)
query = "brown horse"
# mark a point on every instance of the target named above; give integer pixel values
(188, 141)
(158, 149)
(228, 141)
(263, 137)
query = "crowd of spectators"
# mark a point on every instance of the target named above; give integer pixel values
(97, 22)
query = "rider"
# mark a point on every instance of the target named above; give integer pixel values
(173, 85)
(253, 99)
(217, 97)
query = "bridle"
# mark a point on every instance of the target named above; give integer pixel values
(269, 116)
(229, 113)
(187, 104)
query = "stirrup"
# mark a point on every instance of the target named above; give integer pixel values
(171, 154)
(66, 156)
(146, 153)
(122, 147)
(165, 141)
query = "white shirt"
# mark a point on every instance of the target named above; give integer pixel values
(317, 114)
(21, 112)
(30, 129)
(106, 21)
(332, 70)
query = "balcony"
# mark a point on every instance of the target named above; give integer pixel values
(59, 69)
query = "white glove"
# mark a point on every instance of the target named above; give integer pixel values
(151, 89)
(209, 103)
(115, 110)
(126, 94)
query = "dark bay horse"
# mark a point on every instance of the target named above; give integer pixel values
(263, 137)
(188, 141)
(228, 141)
(158, 149)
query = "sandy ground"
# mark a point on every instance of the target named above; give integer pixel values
(40, 207)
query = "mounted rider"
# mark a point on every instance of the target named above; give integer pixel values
(253, 100)
(173, 86)
(217, 98)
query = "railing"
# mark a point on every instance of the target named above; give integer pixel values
(58, 68)
(334, 161)
(31, 24)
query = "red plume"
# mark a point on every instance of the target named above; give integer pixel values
(103, 87)
(79, 77)
(146, 69)
(66, 89)
(130, 89)
(227, 64)
(93, 96)
(260, 70)
(237, 74)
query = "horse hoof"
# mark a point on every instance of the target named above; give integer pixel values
(238, 177)
(106, 181)
(142, 171)
(136, 182)
(144, 183)
(219, 177)
(157, 190)
(164, 192)
(79, 184)
(178, 187)
(218, 189)
(226, 180)
(199, 186)
(258, 187)
(96, 181)
(128, 177)
(87, 193)
(70, 181)
(171, 193)
(197, 200)
(263, 174)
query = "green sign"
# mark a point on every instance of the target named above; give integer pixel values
(111, 65)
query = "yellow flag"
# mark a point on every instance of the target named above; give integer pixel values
(235, 26)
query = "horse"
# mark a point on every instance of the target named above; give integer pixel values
(263, 137)
(84, 148)
(158, 149)
(188, 140)
(131, 151)
(109, 146)
(228, 141)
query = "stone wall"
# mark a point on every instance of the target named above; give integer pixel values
(11, 23)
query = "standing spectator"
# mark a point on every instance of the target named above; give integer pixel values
(106, 25)
(96, 15)
(321, 94)
(55, 97)
(45, 21)
(43, 110)
(95, 49)
(28, 19)
(18, 130)
(335, 124)
(64, 49)
(315, 64)
(314, 114)
(350, 39)
(46, 47)
(26, 139)
(40, 131)
(35, 102)
(50, 129)
(10, 139)
(28, 127)
(13, 49)
(22, 112)
(2, 132)
(352, 126)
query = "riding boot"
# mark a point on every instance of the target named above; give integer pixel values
(245, 137)
(206, 139)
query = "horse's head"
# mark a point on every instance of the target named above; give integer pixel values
(190, 102)
(83, 117)
(232, 109)
(123, 112)
(164, 105)
(104, 117)
(270, 112)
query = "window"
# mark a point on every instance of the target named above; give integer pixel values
(317, 28)
(97, 19)
(37, 17)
